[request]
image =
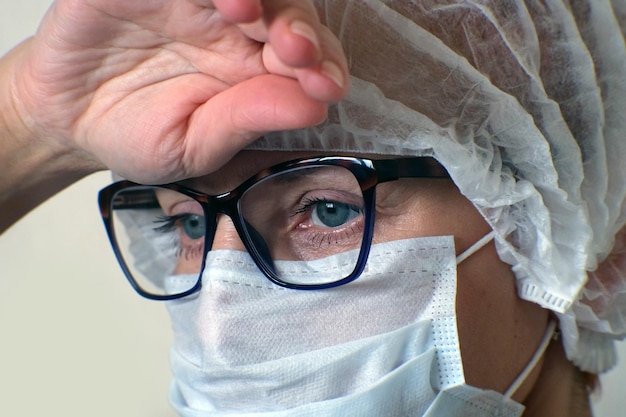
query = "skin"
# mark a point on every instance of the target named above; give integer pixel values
(135, 86)
(498, 331)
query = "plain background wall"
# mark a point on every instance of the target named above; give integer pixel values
(75, 340)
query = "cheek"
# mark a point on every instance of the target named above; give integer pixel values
(428, 208)
(498, 331)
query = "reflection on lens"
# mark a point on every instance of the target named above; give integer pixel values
(303, 219)
(160, 236)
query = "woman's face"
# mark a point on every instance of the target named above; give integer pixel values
(498, 332)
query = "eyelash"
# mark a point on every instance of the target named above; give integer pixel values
(169, 225)
(318, 237)
(307, 204)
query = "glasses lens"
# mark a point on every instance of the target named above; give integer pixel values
(160, 238)
(307, 224)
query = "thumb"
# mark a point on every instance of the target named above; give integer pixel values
(237, 116)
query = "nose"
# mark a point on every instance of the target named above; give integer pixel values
(226, 236)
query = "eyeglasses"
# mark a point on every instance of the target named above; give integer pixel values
(307, 223)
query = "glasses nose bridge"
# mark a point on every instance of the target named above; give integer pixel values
(225, 204)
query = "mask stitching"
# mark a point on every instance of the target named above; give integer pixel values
(243, 284)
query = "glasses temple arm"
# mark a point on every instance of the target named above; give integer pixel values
(413, 167)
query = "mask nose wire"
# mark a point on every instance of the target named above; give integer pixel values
(475, 247)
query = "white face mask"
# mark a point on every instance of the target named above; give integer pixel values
(384, 345)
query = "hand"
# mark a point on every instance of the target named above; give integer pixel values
(163, 90)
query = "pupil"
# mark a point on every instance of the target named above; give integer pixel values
(193, 226)
(333, 214)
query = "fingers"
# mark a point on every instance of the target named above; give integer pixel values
(300, 46)
(327, 80)
(292, 27)
(297, 45)
(173, 129)
(184, 134)
(294, 32)
(239, 11)
(237, 116)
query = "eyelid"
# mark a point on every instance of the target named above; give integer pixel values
(175, 202)
(339, 196)
(187, 206)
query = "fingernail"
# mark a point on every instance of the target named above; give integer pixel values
(300, 28)
(332, 71)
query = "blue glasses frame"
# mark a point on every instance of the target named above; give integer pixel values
(368, 173)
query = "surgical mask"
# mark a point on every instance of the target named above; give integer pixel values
(384, 345)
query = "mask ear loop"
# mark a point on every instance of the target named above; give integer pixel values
(475, 247)
(547, 337)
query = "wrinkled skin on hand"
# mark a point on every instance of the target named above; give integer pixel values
(164, 90)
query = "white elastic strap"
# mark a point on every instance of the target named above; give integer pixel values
(533, 362)
(475, 247)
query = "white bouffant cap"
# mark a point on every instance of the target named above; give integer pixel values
(524, 103)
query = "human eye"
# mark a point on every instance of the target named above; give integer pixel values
(327, 213)
(188, 230)
(327, 217)
(189, 224)
(306, 214)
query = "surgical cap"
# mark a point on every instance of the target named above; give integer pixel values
(524, 103)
